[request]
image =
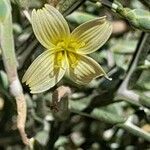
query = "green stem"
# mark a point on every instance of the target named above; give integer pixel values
(127, 125)
(68, 6)
(7, 45)
(138, 58)
(130, 127)
(10, 63)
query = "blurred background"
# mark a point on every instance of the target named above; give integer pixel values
(104, 115)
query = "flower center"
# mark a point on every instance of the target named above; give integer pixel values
(69, 45)
(69, 49)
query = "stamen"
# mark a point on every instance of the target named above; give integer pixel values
(70, 45)
(74, 64)
(59, 66)
(73, 59)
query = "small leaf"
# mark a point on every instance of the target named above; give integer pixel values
(80, 17)
(145, 99)
(139, 18)
(4, 10)
(109, 114)
(42, 137)
(3, 79)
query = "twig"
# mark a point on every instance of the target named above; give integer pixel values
(129, 126)
(123, 92)
(68, 6)
(9, 59)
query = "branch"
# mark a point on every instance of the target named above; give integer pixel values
(130, 127)
(68, 6)
(9, 59)
(138, 57)
(103, 115)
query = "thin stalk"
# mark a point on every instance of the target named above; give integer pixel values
(130, 127)
(10, 63)
(68, 6)
(127, 125)
(138, 57)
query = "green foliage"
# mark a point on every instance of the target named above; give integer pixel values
(67, 6)
(101, 115)
(138, 18)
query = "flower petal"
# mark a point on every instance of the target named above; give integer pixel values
(92, 35)
(82, 69)
(45, 71)
(49, 26)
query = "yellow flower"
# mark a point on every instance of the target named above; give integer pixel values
(66, 52)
